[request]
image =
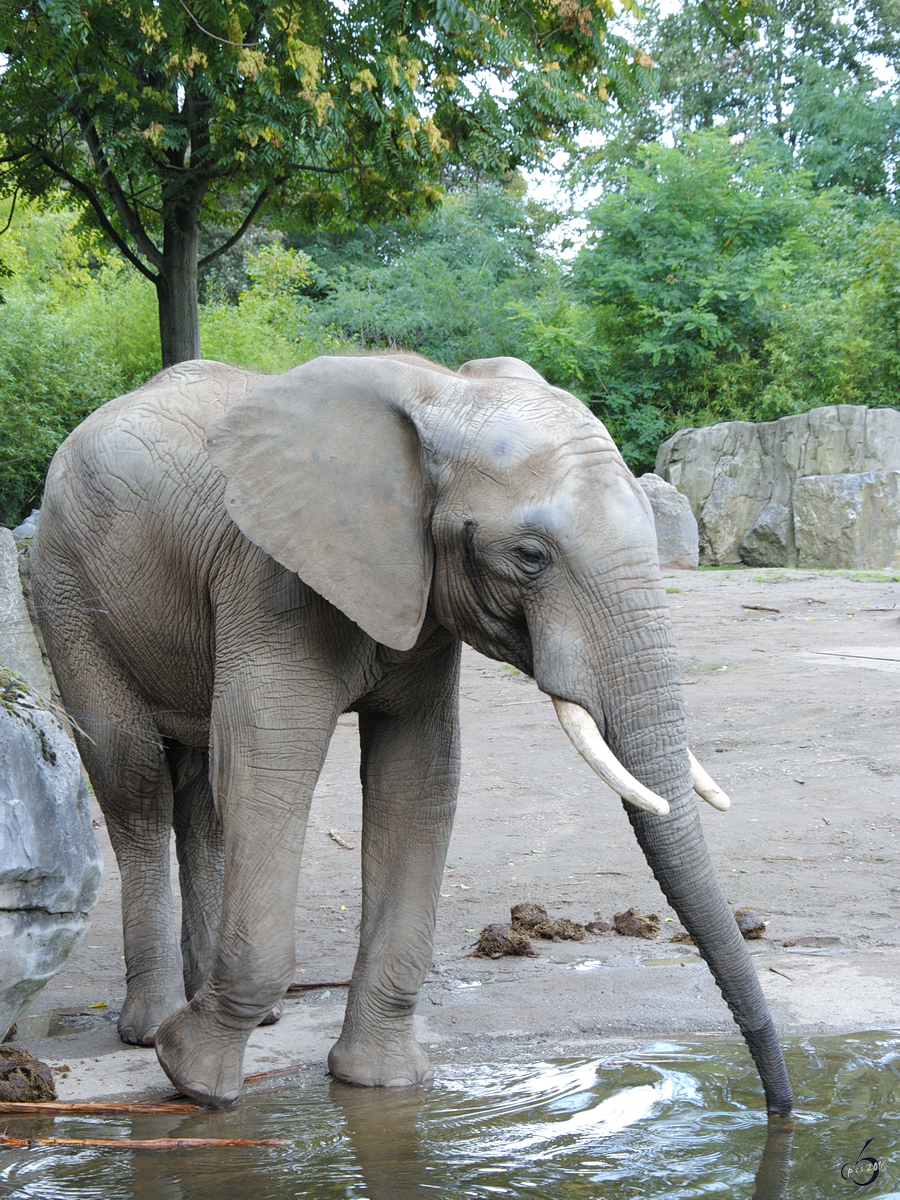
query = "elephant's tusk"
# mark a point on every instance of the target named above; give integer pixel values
(706, 787)
(588, 741)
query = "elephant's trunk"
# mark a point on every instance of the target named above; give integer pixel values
(631, 686)
(678, 857)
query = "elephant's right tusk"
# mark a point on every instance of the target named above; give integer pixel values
(588, 741)
(707, 788)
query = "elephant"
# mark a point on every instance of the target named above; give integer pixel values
(227, 562)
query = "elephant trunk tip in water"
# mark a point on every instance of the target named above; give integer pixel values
(588, 741)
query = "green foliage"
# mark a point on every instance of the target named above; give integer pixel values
(836, 338)
(53, 369)
(807, 74)
(448, 288)
(266, 330)
(161, 117)
(79, 327)
(846, 132)
(725, 287)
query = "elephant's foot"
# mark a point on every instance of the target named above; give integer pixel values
(394, 1060)
(144, 1011)
(202, 1057)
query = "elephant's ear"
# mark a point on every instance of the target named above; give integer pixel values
(325, 472)
(500, 368)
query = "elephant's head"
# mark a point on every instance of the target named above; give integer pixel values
(501, 507)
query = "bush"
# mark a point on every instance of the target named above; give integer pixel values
(725, 288)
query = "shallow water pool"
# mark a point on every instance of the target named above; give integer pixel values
(651, 1119)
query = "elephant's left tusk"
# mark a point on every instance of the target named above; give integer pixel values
(707, 788)
(588, 741)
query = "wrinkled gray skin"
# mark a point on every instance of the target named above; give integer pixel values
(226, 563)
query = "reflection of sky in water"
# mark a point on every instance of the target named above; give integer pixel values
(540, 1102)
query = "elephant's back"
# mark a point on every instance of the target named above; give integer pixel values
(170, 410)
(133, 485)
(135, 453)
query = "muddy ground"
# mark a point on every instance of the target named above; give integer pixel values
(791, 687)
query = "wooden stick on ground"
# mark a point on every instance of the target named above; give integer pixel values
(280, 1071)
(61, 1108)
(293, 988)
(129, 1144)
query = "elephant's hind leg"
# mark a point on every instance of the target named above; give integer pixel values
(200, 846)
(125, 759)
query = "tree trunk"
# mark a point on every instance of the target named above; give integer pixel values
(176, 289)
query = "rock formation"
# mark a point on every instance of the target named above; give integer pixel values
(751, 488)
(49, 860)
(19, 649)
(50, 864)
(676, 525)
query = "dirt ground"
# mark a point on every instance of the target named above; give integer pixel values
(791, 687)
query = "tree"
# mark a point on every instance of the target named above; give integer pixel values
(681, 267)
(711, 70)
(723, 287)
(442, 286)
(800, 71)
(163, 117)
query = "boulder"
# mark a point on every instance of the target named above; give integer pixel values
(770, 543)
(19, 649)
(848, 520)
(739, 477)
(676, 525)
(28, 528)
(50, 864)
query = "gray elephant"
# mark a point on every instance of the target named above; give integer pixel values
(225, 563)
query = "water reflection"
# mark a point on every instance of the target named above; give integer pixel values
(384, 1134)
(774, 1173)
(674, 1120)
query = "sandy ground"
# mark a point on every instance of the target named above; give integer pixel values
(791, 686)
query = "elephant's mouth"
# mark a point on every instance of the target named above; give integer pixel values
(588, 741)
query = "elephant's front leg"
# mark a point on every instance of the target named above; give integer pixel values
(410, 769)
(266, 759)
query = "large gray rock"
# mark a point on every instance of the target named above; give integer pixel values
(28, 528)
(676, 525)
(770, 542)
(19, 650)
(50, 864)
(848, 520)
(739, 477)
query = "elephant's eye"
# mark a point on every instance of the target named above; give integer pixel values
(531, 558)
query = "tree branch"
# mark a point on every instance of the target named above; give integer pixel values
(129, 218)
(12, 210)
(215, 37)
(244, 226)
(261, 199)
(105, 224)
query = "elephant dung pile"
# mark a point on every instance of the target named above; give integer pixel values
(750, 925)
(532, 920)
(635, 924)
(495, 941)
(527, 921)
(24, 1079)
